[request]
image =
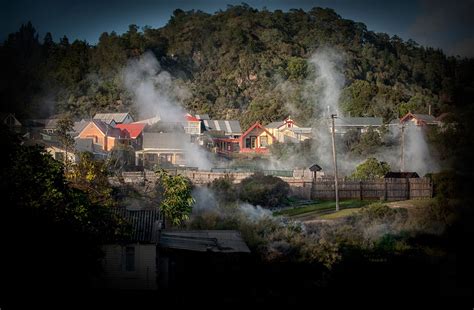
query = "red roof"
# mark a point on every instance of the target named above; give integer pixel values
(133, 130)
(191, 118)
(257, 124)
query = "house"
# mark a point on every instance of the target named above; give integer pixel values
(419, 119)
(161, 148)
(230, 128)
(9, 120)
(78, 127)
(104, 135)
(114, 118)
(201, 258)
(131, 264)
(361, 124)
(256, 139)
(288, 131)
(192, 125)
(58, 152)
(135, 132)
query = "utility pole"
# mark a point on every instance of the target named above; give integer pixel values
(402, 146)
(333, 116)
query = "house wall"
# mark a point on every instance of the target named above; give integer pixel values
(91, 131)
(53, 151)
(141, 158)
(259, 134)
(115, 275)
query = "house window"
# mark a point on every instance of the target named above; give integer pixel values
(264, 141)
(247, 143)
(166, 158)
(130, 258)
(151, 157)
(254, 140)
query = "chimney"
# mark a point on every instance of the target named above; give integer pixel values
(429, 109)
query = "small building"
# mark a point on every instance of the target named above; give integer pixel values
(362, 124)
(194, 257)
(419, 119)
(256, 139)
(9, 120)
(114, 118)
(192, 125)
(163, 148)
(135, 132)
(288, 131)
(104, 135)
(131, 264)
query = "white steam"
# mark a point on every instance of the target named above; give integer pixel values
(157, 94)
(154, 91)
(330, 79)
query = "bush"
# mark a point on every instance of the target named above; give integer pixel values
(266, 191)
(224, 189)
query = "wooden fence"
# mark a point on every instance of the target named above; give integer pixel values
(380, 189)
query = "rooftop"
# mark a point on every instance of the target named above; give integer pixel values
(109, 117)
(165, 140)
(358, 121)
(219, 241)
(145, 223)
(133, 130)
(228, 126)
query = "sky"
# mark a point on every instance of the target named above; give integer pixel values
(440, 24)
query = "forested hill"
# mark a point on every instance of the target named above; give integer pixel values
(238, 63)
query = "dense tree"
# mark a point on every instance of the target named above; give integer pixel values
(370, 169)
(239, 63)
(177, 202)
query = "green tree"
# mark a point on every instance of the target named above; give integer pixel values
(91, 176)
(368, 143)
(177, 201)
(370, 169)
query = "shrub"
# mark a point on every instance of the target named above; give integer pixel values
(266, 191)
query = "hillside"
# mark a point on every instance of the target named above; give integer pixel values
(239, 63)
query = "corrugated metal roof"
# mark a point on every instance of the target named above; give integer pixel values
(144, 223)
(165, 140)
(230, 127)
(203, 116)
(221, 241)
(358, 121)
(108, 117)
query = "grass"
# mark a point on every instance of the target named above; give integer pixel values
(336, 215)
(321, 207)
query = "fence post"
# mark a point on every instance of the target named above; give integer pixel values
(408, 188)
(360, 190)
(386, 190)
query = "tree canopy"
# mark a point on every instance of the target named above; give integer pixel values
(239, 63)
